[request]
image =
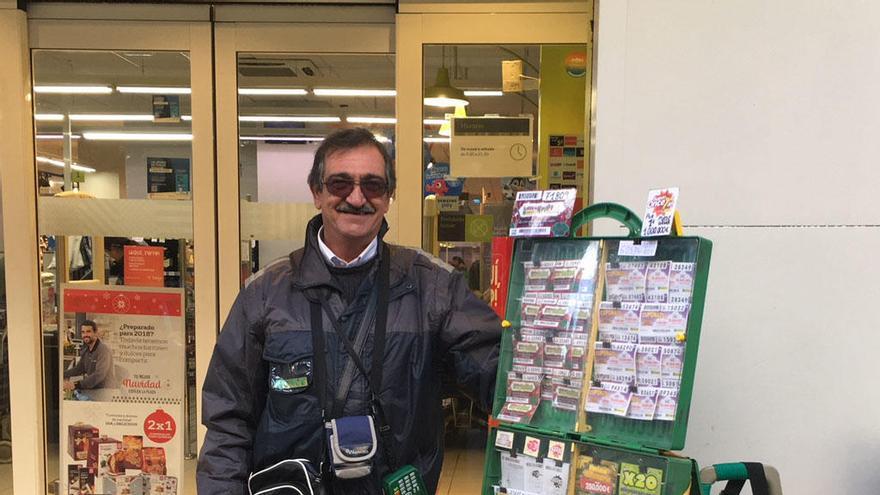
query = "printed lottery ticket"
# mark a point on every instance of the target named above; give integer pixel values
(513, 471)
(619, 322)
(625, 282)
(566, 398)
(648, 365)
(595, 477)
(681, 282)
(643, 404)
(523, 391)
(513, 412)
(528, 353)
(534, 476)
(667, 402)
(671, 365)
(555, 356)
(609, 398)
(657, 282)
(615, 362)
(537, 279)
(660, 323)
(555, 477)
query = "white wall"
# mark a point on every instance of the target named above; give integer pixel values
(766, 115)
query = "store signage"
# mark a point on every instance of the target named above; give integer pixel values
(448, 203)
(122, 421)
(543, 213)
(166, 108)
(168, 175)
(144, 266)
(491, 147)
(450, 227)
(660, 212)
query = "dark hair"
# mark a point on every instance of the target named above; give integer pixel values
(89, 323)
(349, 139)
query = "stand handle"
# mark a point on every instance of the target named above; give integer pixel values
(608, 210)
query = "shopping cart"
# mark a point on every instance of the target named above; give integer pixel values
(762, 478)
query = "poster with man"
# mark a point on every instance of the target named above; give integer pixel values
(123, 382)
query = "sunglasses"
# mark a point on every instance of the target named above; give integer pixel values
(371, 187)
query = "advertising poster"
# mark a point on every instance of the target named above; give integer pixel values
(167, 175)
(144, 266)
(122, 390)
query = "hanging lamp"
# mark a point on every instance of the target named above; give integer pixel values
(443, 94)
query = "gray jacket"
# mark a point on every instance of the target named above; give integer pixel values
(436, 327)
(96, 366)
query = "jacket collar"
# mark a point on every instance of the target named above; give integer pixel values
(310, 268)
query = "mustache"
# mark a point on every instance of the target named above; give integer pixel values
(366, 209)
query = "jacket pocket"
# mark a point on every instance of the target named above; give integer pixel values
(289, 356)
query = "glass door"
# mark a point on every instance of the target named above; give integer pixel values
(125, 231)
(281, 88)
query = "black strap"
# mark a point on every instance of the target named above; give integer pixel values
(757, 481)
(374, 378)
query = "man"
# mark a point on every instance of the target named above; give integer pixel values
(95, 363)
(261, 400)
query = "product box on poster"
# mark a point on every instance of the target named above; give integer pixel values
(122, 485)
(78, 436)
(154, 461)
(100, 450)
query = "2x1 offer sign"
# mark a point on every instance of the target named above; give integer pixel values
(491, 147)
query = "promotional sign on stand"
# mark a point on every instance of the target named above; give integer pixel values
(123, 390)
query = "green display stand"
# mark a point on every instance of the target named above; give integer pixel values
(592, 326)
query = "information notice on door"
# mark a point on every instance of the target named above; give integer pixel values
(491, 147)
(123, 380)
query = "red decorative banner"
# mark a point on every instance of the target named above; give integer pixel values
(121, 302)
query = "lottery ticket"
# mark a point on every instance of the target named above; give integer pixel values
(648, 365)
(681, 282)
(609, 398)
(625, 282)
(619, 322)
(643, 404)
(667, 402)
(523, 391)
(595, 477)
(528, 353)
(529, 311)
(615, 362)
(513, 412)
(566, 398)
(537, 278)
(657, 282)
(661, 323)
(555, 356)
(534, 475)
(671, 365)
(512, 471)
(555, 477)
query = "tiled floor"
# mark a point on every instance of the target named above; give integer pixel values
(462, 467)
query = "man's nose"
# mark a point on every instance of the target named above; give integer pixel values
(356, 198)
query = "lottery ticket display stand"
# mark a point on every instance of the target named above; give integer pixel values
(597, 363)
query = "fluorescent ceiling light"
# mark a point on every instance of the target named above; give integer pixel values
(272, 91)
(186, 118)
(110, 117)
(481, 92)
(353, 92)
(74, 90)
(371, 120)
(434, 121)
(381, 138)
(56, 136)
(154, 90)
(287, 118)
(443, 102)
(60, 163)
(297, 139)
(136, 136)
(437, 140)
(48, 117)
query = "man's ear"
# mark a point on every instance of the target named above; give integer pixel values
(316, 197)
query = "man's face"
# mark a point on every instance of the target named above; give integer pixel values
(355, 218)
(88, 334)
